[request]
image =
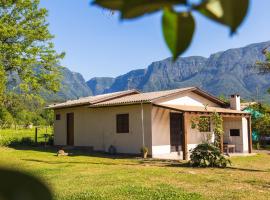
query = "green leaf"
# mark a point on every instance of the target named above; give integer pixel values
(178, 29)
(137, 8)
(110, 4)
(17, 185)
(227, 12)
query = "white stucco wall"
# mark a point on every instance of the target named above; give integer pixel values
(195, 137)
(190, 99)
(160, 131)
(241, 142)
(96, 127)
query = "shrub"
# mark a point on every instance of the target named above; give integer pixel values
(51, 140)
(25, 141)
(7, 141)
(144, 151)
(208, 155)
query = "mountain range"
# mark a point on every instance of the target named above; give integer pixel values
(222, 73)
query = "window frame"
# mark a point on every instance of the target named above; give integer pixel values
(235, 129)
(57, 117)
(122, 128)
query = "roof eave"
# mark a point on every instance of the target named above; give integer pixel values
(119, 104)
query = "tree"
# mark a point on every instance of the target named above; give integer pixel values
(264, 66)
(27, 54)
(178, 26)
(6, 119)
(262, 126)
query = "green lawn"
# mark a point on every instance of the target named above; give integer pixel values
(83, 176)
(9, 135)
(97, 176)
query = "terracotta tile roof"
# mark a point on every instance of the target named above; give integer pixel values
(203, 109)
(92, 99)
(131, 97)
(147, 97)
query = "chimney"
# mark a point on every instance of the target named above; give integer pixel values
(235, 102)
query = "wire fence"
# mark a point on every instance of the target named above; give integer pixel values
(41, 135)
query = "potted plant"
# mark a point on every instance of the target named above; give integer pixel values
(144, 151)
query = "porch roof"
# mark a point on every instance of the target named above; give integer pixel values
(200, 109)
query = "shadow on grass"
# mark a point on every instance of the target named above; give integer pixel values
(140, 161)
(76, 152)
(247, 170)
(77, 162)
(165, 163)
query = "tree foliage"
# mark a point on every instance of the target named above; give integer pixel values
(264, 66)
(262, 125)
(20, 109)
(27, 54)
(29, 65)
(6, 119)
(178, 26)
(218, 129)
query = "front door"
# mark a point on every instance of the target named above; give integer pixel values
(176, 131)
(70, 129)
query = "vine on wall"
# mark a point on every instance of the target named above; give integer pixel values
(203, 125)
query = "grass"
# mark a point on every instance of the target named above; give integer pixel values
(98, 176)
(262, 147)
(9, 135)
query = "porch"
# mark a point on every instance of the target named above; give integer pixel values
(236, 124)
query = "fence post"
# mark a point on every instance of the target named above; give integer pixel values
(36, 132)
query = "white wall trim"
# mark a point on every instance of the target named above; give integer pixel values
(161, 149)
(191, 146)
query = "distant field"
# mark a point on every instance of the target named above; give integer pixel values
(98, 176)
(9, 135)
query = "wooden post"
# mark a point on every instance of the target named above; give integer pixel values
(184, 145)
(249, 135)
(36, 132)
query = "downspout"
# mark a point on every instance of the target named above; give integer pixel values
(142, 124)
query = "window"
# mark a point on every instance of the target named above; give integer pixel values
(57, 117)
(234, 132)
(122, 123)
(204, 124)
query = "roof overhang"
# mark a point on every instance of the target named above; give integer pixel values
(77, 103)
(197, 91)
(204, 110)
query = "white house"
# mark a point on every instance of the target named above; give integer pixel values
(160, 120)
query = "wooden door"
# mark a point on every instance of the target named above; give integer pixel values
(176, 130)
(70, 129)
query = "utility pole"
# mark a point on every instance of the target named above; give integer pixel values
(257, 94)
(128, 83)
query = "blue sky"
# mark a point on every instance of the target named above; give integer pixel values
(98, 44)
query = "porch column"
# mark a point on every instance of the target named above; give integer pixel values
(249, 135)
(184, 145)
(221, 143)
(222, 139)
